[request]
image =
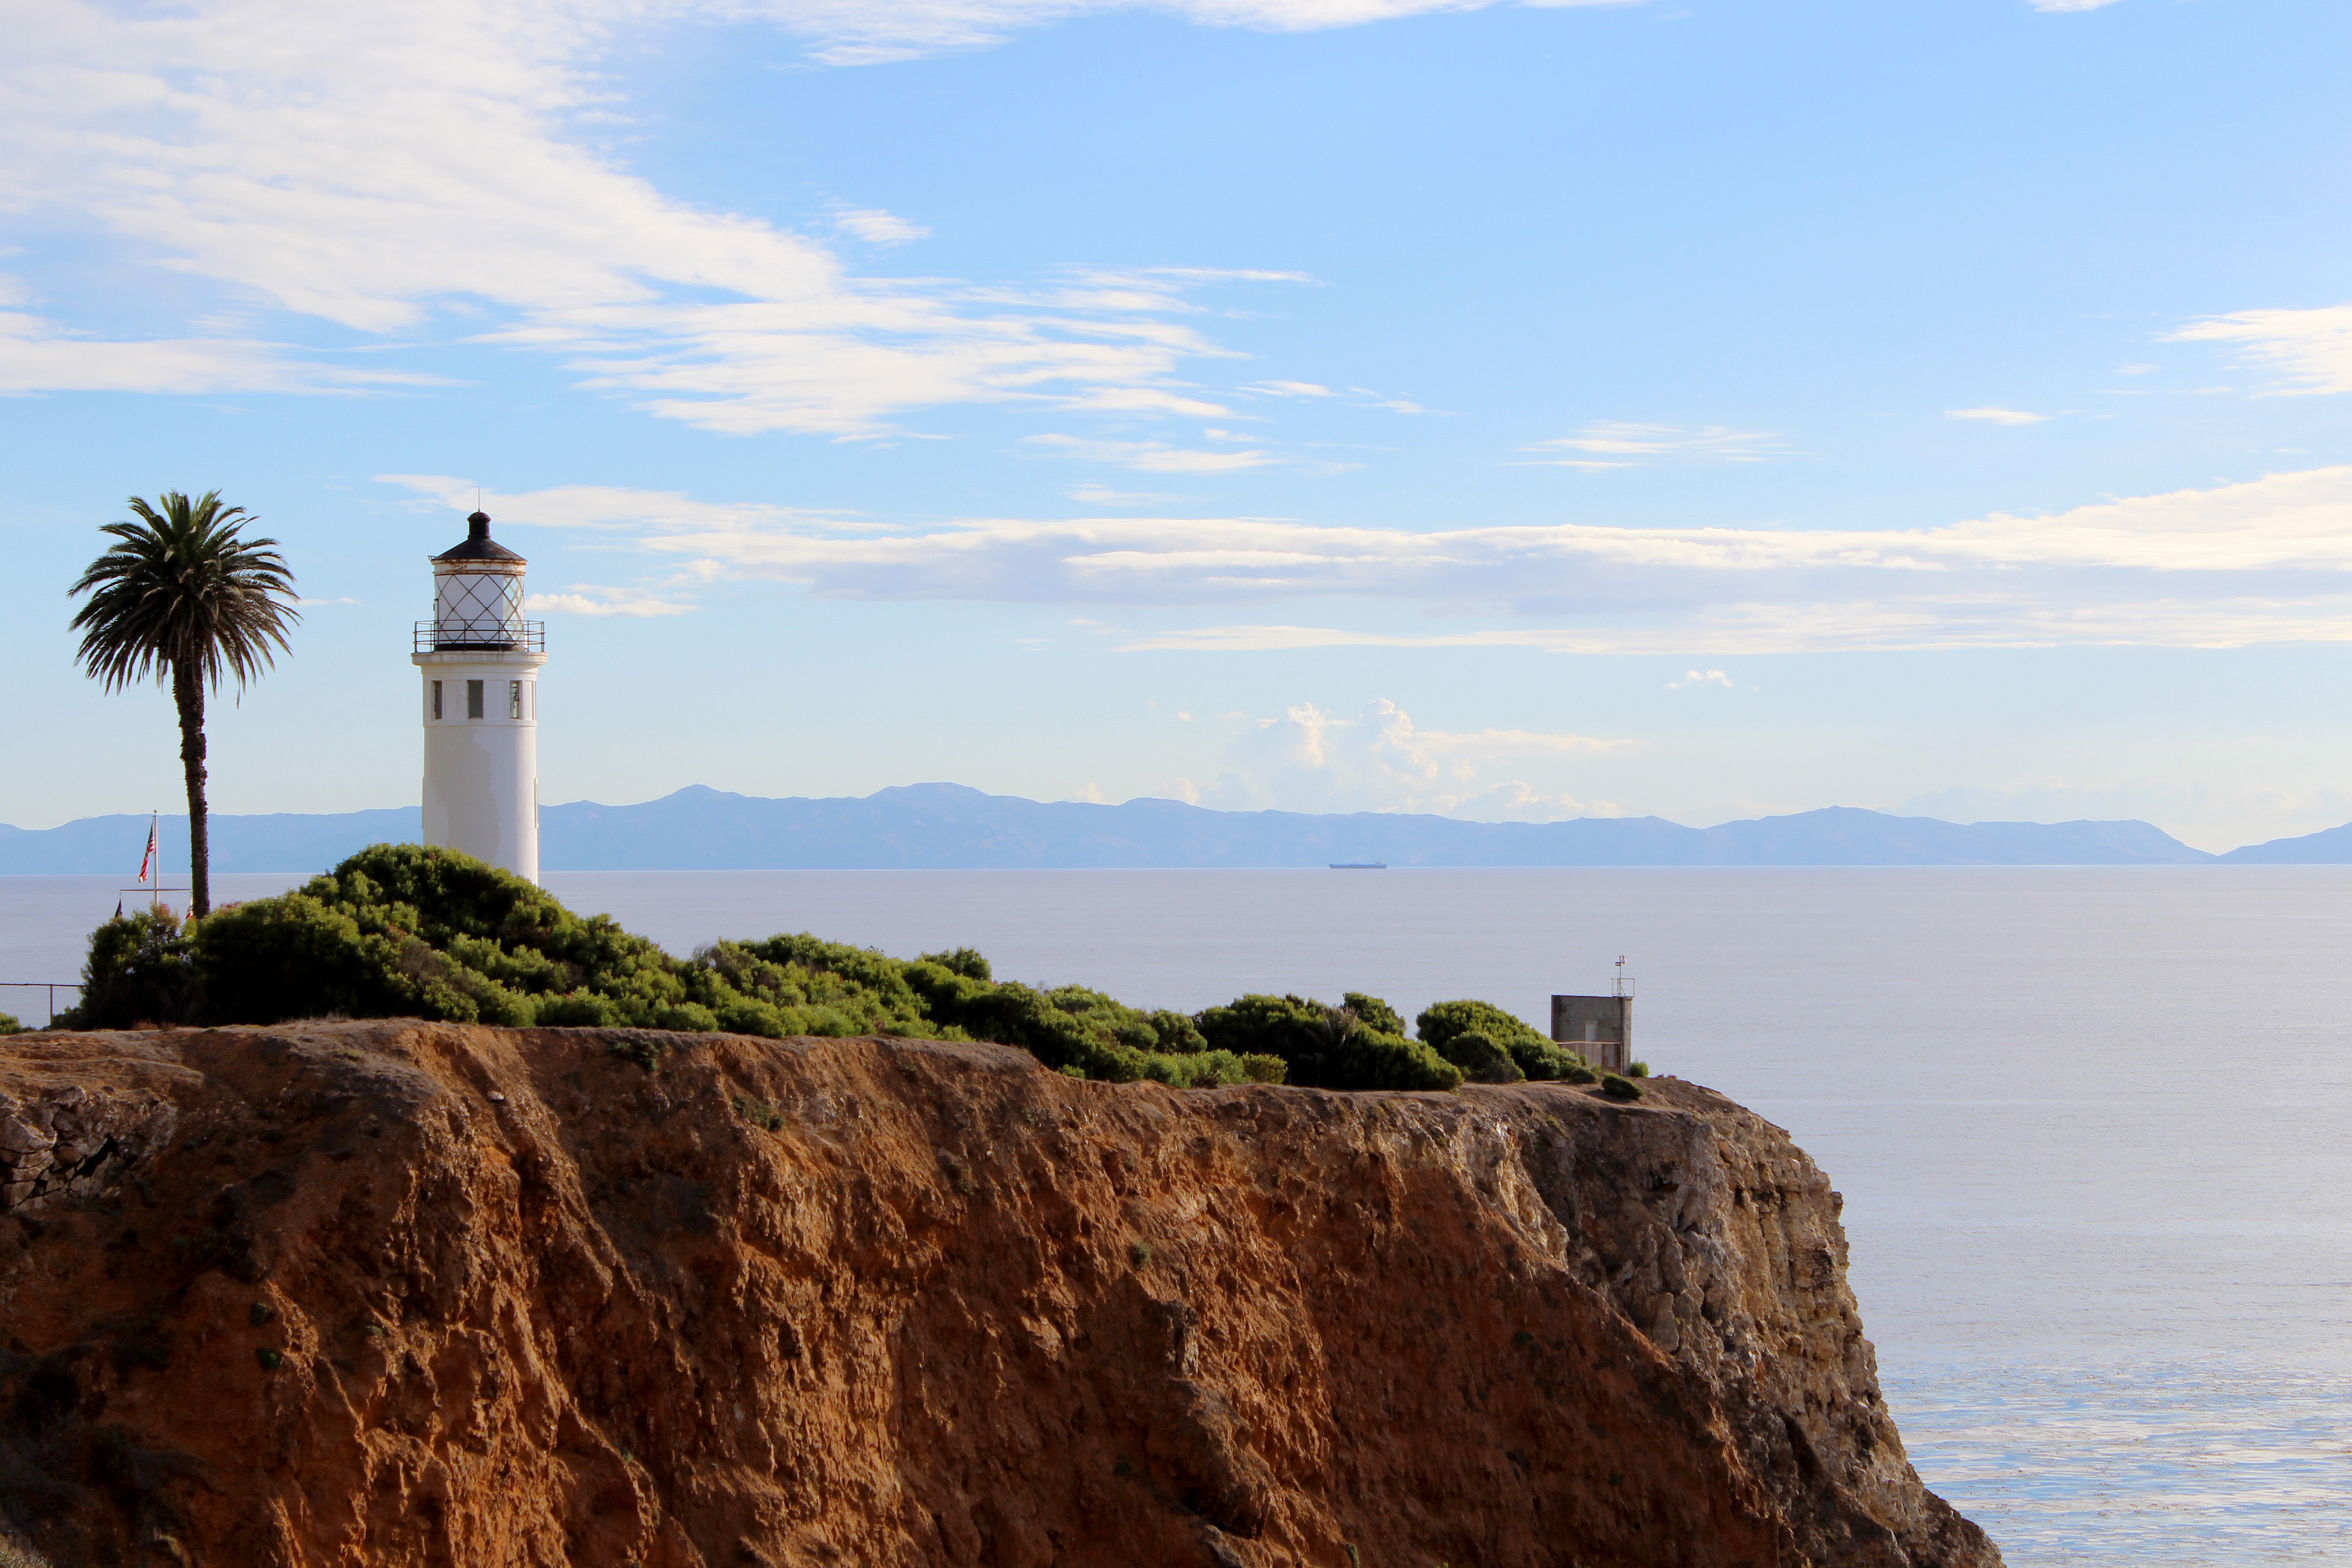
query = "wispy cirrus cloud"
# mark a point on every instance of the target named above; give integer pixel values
(1161, 457)
(39, 355)
(2312, 347)
(866, 32)
(2265, 560)
(1997, 415)
(590, 599)
(876, 226)
(1619, 444)
(389, 175)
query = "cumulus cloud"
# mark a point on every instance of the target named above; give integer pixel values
(2265, 560)
(1305, 759)
(1701, 677)
(1616, 445)
(1997, 415)
(2312, 348)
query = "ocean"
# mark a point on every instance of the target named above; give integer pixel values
(2093, 1126)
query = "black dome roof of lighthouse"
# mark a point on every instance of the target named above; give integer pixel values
(478, 545)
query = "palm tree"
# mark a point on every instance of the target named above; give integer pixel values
(179, 596)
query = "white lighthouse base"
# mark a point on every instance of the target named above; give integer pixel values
(481, 770)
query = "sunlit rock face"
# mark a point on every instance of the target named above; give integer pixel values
(389, 1292)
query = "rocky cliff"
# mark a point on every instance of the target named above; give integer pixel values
(377, 1293)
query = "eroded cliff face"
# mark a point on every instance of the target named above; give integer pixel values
(377, 1293)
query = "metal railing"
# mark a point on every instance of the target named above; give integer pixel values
(51, 986)
(480, 636)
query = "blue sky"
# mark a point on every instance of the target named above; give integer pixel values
(1698, 408)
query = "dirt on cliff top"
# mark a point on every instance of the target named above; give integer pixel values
(390, 1292)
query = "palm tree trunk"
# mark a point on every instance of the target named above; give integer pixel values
(190, 696)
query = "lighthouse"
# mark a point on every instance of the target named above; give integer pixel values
(481, 663)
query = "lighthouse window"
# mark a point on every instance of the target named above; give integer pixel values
(436, 700)
(514, 699)
(473, 699)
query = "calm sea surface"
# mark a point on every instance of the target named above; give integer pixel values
(2093, 1126)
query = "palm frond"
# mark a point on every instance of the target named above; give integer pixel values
(181, 590)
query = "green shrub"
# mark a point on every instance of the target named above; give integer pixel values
(1617, 1088)
(961, 960)
(1376, 1014)
(297, 957)
(1544, 1060)
(1441, 1021)
(8, 1024)
(1323, 1047)
(422, 932)
(138, 972)
(1639, 1069)
(1481, 1059)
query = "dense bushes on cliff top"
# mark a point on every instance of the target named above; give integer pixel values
(401, 930)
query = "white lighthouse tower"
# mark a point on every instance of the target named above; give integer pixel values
(481, 662)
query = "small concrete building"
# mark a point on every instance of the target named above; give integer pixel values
(481, 662)
(1600, 1028)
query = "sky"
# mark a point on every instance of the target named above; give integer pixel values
(1705, 408)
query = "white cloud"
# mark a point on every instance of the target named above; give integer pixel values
(1100, 495)
(2070, 5)
(399, 172)
(1290, 389)
(1153, 457)
(862, 31)
(876, 226)
(607, 507)
(2313, 348)
(588, 599)
(1308, 759)
(1997, 415)
(1616, 445)
(1701, 677)
(2266, 561)
(36, 355)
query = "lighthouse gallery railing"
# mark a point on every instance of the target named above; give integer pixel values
(481, 636)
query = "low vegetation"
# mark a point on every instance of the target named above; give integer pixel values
(400, 930)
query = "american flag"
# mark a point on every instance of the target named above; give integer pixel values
(148, 859)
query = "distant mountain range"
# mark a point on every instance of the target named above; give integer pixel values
(942, 826)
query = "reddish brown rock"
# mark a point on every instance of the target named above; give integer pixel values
(377, 1293)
